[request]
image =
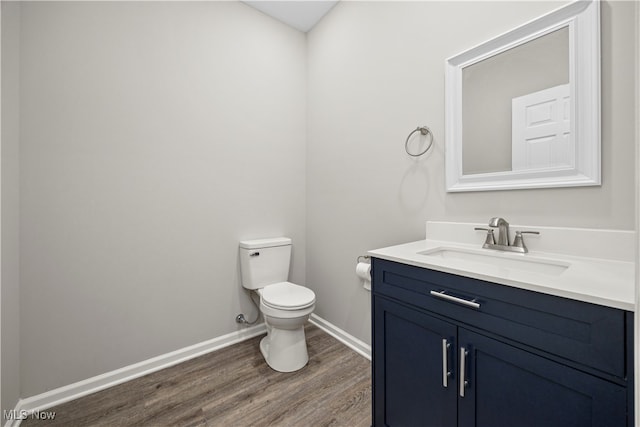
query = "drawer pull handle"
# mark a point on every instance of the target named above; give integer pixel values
(444, 296)
(463, 364)
(445, 363)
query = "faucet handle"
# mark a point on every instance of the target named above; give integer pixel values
(518, 241)
(490, 240)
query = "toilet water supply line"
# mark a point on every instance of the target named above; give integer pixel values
(242, 320)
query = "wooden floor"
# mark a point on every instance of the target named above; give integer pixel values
(235, 387)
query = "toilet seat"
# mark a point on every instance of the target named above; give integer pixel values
(287, 296)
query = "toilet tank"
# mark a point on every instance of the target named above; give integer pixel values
(264, 261)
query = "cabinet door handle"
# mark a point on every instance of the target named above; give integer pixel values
(445, 296)
(463, 374)
(445, 363)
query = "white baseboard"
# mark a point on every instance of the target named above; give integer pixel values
(350, 341)
(40, 402)
(49, 399)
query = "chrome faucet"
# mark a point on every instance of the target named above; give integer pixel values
(503, 243)
(503, 230)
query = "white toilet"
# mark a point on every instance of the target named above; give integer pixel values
(264, 265)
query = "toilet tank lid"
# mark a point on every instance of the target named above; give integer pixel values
(265, 243)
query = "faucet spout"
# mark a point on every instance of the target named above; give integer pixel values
(503, 230)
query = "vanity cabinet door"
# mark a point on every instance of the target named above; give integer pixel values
(408, 364)
(507, 386)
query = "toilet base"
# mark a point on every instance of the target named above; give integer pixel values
(284, 350)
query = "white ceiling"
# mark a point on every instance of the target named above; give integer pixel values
(301, 14)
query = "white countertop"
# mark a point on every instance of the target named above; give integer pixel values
(599, 281)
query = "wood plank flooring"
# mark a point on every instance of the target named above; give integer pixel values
(235, 387)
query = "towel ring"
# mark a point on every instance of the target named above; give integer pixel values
(424, 131)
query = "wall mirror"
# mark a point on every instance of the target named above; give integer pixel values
(523, 109)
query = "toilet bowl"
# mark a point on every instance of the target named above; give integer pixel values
(285, 306)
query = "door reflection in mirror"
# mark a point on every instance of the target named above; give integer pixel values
(491, 86)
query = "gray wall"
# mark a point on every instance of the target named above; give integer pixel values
(154, 137)
(376, 71)
(10, 296)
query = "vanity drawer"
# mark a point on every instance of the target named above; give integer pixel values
(586, 333)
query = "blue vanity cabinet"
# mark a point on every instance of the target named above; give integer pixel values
(519, 359)
(409, 385)
(507, 386)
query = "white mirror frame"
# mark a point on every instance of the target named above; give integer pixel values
(583, 20)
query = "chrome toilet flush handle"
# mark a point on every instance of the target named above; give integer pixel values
(254, 254)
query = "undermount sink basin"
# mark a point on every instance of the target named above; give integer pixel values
(522, 262)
